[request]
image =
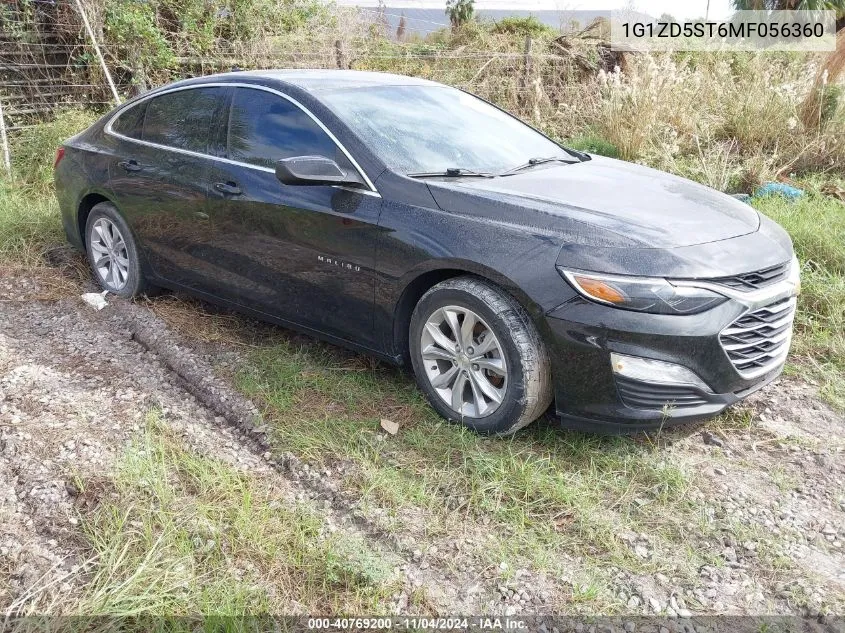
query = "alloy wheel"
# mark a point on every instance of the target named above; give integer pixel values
(109, 254)
(464, 361)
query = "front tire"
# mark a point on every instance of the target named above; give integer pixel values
(478, 357)
(112, 252)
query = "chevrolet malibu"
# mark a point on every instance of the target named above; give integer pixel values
(417, 223)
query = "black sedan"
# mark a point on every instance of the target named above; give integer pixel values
(420, 224)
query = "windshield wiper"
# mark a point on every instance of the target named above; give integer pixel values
(538, 161)
(453, 172)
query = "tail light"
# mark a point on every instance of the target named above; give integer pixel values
(60, 154)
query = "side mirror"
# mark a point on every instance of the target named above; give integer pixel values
(314, 170)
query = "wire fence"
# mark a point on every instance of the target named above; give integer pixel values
(54, 56)
(47, 64)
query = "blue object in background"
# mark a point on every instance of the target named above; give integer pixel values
(779, 189)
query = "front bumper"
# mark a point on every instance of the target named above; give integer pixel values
(589, 395)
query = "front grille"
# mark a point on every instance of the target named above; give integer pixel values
(755, 280)
(642, 395)
(759, 340)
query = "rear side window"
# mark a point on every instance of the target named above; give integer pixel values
(183, 119)
(265, 128)
(131, 121)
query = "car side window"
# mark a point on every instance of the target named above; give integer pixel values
(265, 128)
(130, 121)
(183, 119)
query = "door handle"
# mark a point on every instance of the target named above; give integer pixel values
(130, 165)
(230, 188)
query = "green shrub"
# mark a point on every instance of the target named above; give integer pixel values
(132, 25)
(525, 27)
(831, 98)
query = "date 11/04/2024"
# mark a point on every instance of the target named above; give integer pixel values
(416, 624)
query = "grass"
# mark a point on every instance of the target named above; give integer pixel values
(175, 533)
(29, 223)
(559, 502)
(817, 226)
(593, 144)
(547, 488)
(34, 148)
(29, 213)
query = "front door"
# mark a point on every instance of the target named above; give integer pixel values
(300, 253)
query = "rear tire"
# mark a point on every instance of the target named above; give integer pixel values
(478, 357)
(113, 254)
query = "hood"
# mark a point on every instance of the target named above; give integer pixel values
(612, 202)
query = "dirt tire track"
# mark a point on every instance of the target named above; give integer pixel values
(243, 416)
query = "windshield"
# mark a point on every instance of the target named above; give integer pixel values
(431, 129)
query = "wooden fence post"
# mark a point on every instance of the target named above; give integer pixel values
(340, 55)
(526, 88)
(4, 141)
(528, 67)
(139, 77)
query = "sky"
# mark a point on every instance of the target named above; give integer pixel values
(680, 9)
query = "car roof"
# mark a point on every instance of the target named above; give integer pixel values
(317, 80)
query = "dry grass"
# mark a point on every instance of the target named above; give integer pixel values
(203, 322)
(730, 122)
(813, 110)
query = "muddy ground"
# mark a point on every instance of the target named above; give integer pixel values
(76, 383)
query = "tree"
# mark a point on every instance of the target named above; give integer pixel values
(460, 12)
(795, 5)
(400, 31)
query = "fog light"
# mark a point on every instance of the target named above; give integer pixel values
(655, 371)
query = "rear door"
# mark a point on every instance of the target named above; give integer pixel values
(301, 253)
(160, 176)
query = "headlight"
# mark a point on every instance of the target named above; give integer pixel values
(642, 294)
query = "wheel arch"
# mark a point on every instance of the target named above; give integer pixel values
(419, 282)
(83, 210)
